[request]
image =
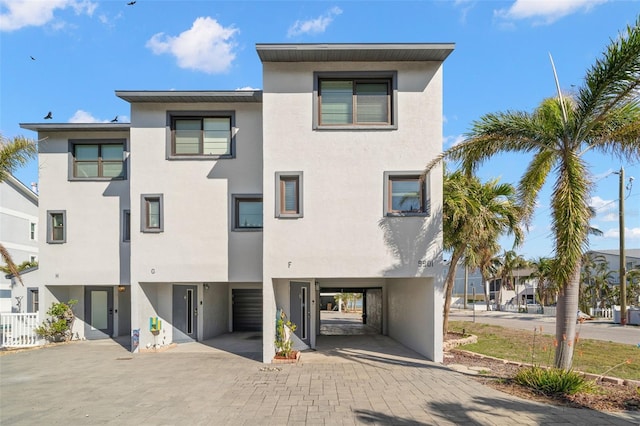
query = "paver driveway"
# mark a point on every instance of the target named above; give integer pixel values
(349, 380)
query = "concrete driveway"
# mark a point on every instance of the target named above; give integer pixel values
(363, 379)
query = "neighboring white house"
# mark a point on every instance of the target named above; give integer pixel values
(612, 257)
(19, 235)
(213, 210)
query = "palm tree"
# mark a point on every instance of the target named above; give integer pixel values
(14, 153)
(603, 116)
(590, 264)
(474, 214)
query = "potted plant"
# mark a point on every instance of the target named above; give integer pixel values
(283, 342)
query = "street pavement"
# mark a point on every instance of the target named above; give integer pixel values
(349, 380)
(592, 329)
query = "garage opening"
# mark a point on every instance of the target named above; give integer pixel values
(247, 309)
(350, 311)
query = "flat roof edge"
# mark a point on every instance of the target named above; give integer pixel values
(168, 96)
(58, 127)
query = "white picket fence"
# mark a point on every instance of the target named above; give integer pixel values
(601, 312)
(17, 330)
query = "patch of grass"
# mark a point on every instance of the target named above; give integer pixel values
(590, 356)
(553, 381)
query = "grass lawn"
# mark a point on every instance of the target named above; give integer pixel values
(591, 356)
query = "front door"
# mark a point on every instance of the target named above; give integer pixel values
(98, 312)
(300, 314)
(185, 313)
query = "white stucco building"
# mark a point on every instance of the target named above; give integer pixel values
(212, 210)
(19, 235)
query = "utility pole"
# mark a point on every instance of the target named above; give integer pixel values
(623, 260)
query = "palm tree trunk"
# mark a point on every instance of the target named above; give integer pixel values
(566, 318)
(448, 292)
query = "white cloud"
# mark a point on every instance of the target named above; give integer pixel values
(17, 14)
(601, 205)
(82, 116)
(451, 141)
(314, 26)
(629, 233)
(247, 88)
(207, 46)
(609, 217)
(545, 12)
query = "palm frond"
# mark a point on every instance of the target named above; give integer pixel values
(612, 81)
(11, 266)
(14, 153)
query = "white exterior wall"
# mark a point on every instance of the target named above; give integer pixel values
(415, 315)
(343, 232)
(17, 212)
(93, 253)
(197, 244)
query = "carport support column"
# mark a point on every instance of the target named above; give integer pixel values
(268, 320)
(435, 302)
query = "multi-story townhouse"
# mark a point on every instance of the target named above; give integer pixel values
(19, 236)
(211, 210)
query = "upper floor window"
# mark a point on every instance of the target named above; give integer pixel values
(151, 210)
(405, 194)
(32, 231)
(289, 194)
(56, 226)
(126, 225)
(355, 100)
(204, 136)
(247, 212)
(98, 159)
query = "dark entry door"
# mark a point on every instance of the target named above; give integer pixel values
(98, 302)
(299, 305)
(185, 313)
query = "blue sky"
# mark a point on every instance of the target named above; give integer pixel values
(84, 50)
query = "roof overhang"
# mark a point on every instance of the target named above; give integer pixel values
(360, 52)
(67, 127)
(189, 96)
(22, 188)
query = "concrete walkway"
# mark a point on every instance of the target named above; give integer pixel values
(349, 380)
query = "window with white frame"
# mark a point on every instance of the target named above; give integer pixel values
(289, 194)
(56, 226)
(405, 194)
(151, 211)
(33, 231)
(247, 212)
(205, 136)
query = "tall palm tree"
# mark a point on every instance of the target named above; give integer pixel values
(603, 116)
(474, 214)
(542, 267)
(14, 153)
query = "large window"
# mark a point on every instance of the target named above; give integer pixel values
(247, 212)
(289, 194)
(209, 136)
(151, 211)
(56, 226)
(98, 159)
(405, 194)
(355, 100)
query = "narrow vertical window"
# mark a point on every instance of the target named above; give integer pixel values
(151, 211)
(289, 194)
(56, 226)
(126, 225)
(32, 231)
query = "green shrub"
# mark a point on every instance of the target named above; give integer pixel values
(58, 327)
(284, 345)
(553, 381)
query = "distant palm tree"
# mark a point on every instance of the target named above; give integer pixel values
(590, 265)
(542, 267)
(509, 262)
(475, 214)
(603, 116)
(14, 153)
